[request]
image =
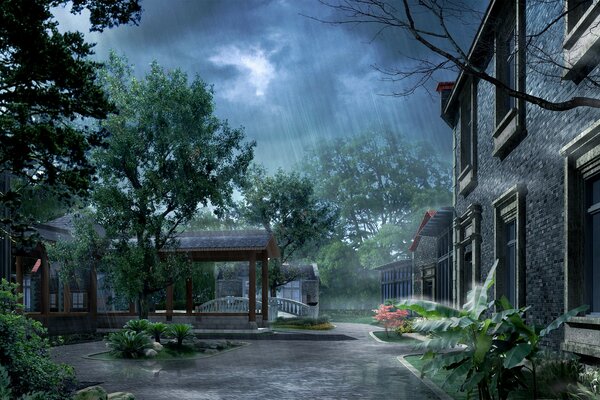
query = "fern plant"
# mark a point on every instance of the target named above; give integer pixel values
(157, 329)
(180, 332)
(491, 346)
(128, 344)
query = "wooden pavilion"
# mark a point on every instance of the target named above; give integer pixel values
(73, 307)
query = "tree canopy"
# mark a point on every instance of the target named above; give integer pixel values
(48, 91)
(378, 181)
(167, 154)
(286, 205)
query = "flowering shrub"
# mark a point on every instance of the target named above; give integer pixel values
(390, 317)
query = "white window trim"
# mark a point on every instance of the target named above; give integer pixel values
(581, 43)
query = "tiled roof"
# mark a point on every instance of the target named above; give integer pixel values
(243, 239)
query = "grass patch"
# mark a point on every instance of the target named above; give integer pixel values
(452, 389)
(393, 337)
(353, 316)
(314, 324)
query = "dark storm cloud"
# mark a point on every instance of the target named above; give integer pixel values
(290, 81)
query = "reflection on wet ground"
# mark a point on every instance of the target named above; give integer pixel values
(266, 369)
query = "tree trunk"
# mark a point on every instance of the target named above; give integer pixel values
(143, 306)
(273, 291)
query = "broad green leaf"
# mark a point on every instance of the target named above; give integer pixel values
(483, 343)
(516, 355)
(458, 372)
(428, 309)
(562, 319)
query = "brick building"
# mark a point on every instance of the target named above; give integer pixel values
(527, 180)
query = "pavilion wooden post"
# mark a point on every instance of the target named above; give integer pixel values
(170, 302)
(131, 308)
(45, 287)
(19, 272)
(189, 293)
(252, 289)
(265, 288)
(67, 297)
(93, 295)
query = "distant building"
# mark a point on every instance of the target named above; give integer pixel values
(396, 280)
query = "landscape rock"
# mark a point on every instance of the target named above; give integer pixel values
(91, 393)
(150, 353)
(211, 351)
(157, 347)
(121, 396)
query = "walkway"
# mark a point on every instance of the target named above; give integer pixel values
(266, 369)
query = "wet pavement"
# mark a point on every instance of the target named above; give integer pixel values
(357, 367)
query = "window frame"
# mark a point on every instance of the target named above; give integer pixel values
(582, 164)
(509, 111)
(510, 207)
(443, 288)
(467, 230)
(582, 39)
(467, 137)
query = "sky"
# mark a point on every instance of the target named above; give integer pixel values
(290, 81)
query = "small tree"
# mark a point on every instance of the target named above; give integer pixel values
(167, 154)
(390, 317)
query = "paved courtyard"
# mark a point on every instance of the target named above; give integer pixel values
(266, 369)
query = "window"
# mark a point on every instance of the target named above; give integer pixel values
(467, 179)
(27, 300)
(509, 223)
(510, 261)
(582, 37)
(443, 272)
(396, 283)
(78, 301)
(510, 70)
(592, 238)
(468, 234)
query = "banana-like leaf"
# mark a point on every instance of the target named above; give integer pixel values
(517, 354)
(428, 309)
(442, 324)
(460, 371)
(562, 319)
(483, 343)
(477, 298)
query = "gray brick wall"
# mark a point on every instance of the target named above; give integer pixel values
(424, 255)
(536, 162)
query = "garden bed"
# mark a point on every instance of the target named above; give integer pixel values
(393, 337)
(451, 389)
(196, 349)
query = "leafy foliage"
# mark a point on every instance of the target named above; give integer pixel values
(156, 329)
(167, 155)
(137, 325)
(285, 204)
(497, 347)
(378, 180)
(24, 353)
(48, 82)
(180, 332)
(128, 344)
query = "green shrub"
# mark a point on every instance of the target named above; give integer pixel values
(180, 332)
(24, 353)
(405, 327)
(128, 344)
(499, 350)
(156, 330)
(137, 325)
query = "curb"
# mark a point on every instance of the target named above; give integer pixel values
(409, 335)
(432, 386)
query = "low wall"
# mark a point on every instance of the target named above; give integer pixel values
(203, 321)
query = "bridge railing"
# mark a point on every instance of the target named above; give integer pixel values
(232, 304)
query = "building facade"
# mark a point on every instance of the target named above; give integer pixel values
(527, 180)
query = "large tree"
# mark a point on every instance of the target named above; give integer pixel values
(285, 204)
(438, 28)
(167, 154)
(48, 88)
(380, 182)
